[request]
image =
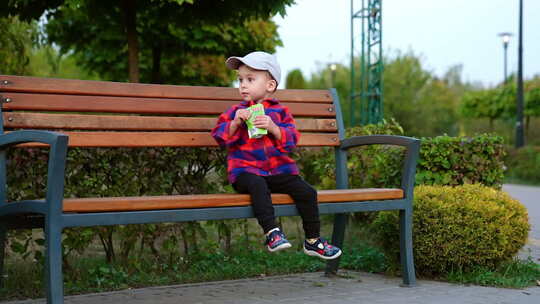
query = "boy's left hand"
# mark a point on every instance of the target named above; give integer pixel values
(263, 122)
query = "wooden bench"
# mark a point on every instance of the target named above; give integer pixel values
(110, 114)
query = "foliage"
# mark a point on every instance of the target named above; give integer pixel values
(443, 160)
(16, 39)
(159, 41)
(496, 103)
(457, 229)
(404, 72)
(295, 80)
(26, 9)
(369, 166)
(340, 79)
(513, 274)
(446, 160)
(500, 102)
(136, 172)
(47, 61)
(524, 164)
(422, 103)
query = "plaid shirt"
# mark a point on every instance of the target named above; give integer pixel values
(261, 156)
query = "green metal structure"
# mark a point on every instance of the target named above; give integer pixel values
(366, 101)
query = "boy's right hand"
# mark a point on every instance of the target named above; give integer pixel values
(241, 115)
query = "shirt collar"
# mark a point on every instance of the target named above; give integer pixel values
(268, 101)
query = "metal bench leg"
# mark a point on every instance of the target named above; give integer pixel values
(406, 248)
(54, 281)
(338, 235)
(3, 233)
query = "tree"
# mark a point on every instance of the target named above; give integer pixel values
(422, 103)
(295, 80)
(436, 110)
(403, 79)
(322, 79)
(16, 39)
(47, 61)
(145, 36)
(498, 103)
(532, 105)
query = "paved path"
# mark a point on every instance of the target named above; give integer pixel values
(530, 197)
(350, 287)
(355, 287)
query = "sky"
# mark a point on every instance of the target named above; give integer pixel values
(444, 33)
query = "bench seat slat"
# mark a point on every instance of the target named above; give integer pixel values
(138, 105)
(143, 123)
(108, 88)
(85, 205)
(170, 139)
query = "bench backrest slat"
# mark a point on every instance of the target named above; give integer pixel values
(110, 114)
(107, 104)
(108, 88)
(131, 122)
(171, 139)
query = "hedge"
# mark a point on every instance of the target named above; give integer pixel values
(457, 229)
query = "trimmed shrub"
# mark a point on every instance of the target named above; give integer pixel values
(446, 160)
(443, 160)
(103, 172)
(375, 166)
(457, 228)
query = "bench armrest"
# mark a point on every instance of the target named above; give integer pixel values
(56, 165)
(412, 148)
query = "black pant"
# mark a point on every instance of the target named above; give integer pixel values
(303, 194)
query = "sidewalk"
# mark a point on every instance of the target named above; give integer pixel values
(350, 287)
(530, 197)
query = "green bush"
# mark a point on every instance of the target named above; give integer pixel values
(103, 172)
(369, 166)
(457, 228)
(524, 164)
(443, 160)
(446, 160)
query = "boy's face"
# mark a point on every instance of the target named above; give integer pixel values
(254, 84)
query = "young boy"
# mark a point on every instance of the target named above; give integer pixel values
(260, 166)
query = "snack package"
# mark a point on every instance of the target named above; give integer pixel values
(254, 132)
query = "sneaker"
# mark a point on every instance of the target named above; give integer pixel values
(276, 241)
(322, 249)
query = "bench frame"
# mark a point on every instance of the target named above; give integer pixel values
(54, 220)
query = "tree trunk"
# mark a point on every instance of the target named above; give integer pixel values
(156, 64)
(246, 232)
(527, 125)
(185, 240)
(130, 9)
(106, 237)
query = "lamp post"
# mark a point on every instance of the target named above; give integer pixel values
(520, 136)
(333, 68)
(505, 39)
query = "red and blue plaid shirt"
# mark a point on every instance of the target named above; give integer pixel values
(261, 156)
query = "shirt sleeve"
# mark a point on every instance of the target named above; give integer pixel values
(221, 131)
(289, 134)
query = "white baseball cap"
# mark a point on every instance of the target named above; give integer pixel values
(258, 61)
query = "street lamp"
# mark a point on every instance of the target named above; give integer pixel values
(520, 136)
(505, 40)
(333, 68)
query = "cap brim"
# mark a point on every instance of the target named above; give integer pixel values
(233, 63)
